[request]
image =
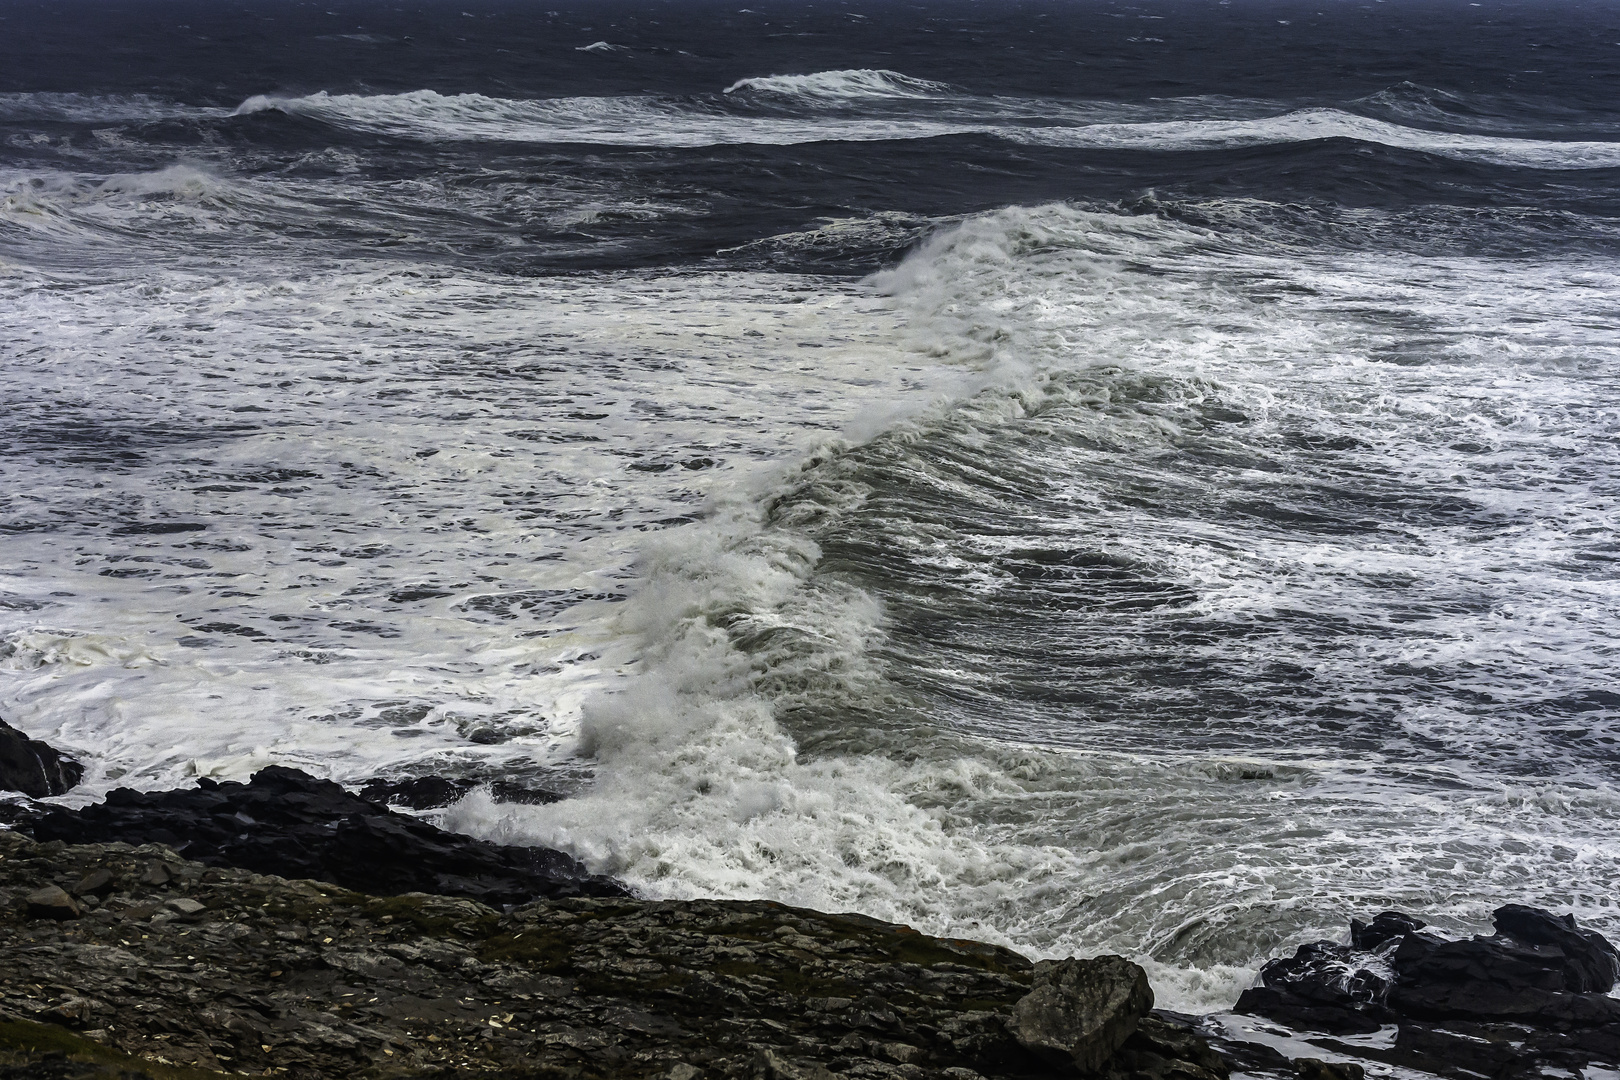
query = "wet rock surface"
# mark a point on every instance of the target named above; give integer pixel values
(176, 968)
(433, 792)
(34, 768)
(1529, 998)
(288, 823)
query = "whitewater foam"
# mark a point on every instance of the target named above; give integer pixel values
(780, 740)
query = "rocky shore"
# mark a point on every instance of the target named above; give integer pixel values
(121, 960)
(288, 927)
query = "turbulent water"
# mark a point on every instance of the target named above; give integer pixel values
(1094, 477)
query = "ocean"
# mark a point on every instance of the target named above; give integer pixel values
(1090, 476)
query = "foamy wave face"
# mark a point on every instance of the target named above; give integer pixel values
(913, 109)
(1311, 124)
(116, 209)
(620, 121)
(841, 85)
(986, 673)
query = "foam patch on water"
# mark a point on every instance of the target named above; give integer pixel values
(372, 517)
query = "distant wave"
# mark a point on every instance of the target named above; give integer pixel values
(652, 121)
(621, 121)
(1496, 114)
(1311, 124)
(840, 85)
(99, 108)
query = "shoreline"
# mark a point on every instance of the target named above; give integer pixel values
(312, 932)
(185, 970)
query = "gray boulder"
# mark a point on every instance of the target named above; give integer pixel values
(1081, 1010)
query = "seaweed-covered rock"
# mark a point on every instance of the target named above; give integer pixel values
(34, 768)
(287, 823)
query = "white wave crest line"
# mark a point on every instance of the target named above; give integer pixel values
(848, 83)
(649, 121)
(1313, 124)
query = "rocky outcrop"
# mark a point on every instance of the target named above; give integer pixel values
(433, 792)
(175, 968)
(34, 768)
(1530, 997)
(287, 823)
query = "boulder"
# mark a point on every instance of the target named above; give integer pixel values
(1324, 987)
(1385, 926)
(51, 902)
(96, 883)
(1590, 964)
(1081, 1010)
(287, 823)
(34, 768)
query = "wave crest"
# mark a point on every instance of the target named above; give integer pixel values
(841, 85)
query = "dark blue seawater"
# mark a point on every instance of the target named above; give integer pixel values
(1096, 476)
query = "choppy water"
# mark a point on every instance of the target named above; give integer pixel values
(1131, 477)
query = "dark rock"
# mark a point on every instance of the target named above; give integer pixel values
(1161, 1048)
(1385, 926)
(95, 883)
(287, 823)
(1322, 987)
(1530, 997)
(1505, 977)
(769, 1065)
(1304, 1014)
(418, 793)
(1590, 963)
(1317, 1069)
(309, 981)
(433, 792)
(1081, 1010)
(51, 902)
(507, 791)
(34, 768)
